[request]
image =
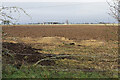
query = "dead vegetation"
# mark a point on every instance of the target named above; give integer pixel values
(30, 46)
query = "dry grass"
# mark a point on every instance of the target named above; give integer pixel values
(94, 47)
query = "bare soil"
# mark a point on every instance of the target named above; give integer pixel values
(76, 32)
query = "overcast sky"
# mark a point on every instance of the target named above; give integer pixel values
(75, 12)
(52, 0)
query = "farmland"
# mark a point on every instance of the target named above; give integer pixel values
(76, 32)
(60, 51)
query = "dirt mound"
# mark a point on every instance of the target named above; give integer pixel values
(22, 52)
(19, 48)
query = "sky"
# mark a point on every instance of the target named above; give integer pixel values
(53, 0)
(74, 12)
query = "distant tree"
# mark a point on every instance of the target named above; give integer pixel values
(5, 22)
(101, 22)
(67, 22)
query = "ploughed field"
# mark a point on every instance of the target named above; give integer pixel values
(64, 51)
(75, 32)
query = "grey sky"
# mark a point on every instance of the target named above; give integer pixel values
(74, 12)
(53, 0)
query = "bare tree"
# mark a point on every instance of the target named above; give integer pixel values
(6, 14)
(115, 9)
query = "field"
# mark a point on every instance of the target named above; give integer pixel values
(60, 51)
(74, 32)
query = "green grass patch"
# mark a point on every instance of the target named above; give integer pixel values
(43, 72)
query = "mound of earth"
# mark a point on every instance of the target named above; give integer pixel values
(22, 52)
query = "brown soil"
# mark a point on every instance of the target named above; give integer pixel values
(75, 32)
(23, 52)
